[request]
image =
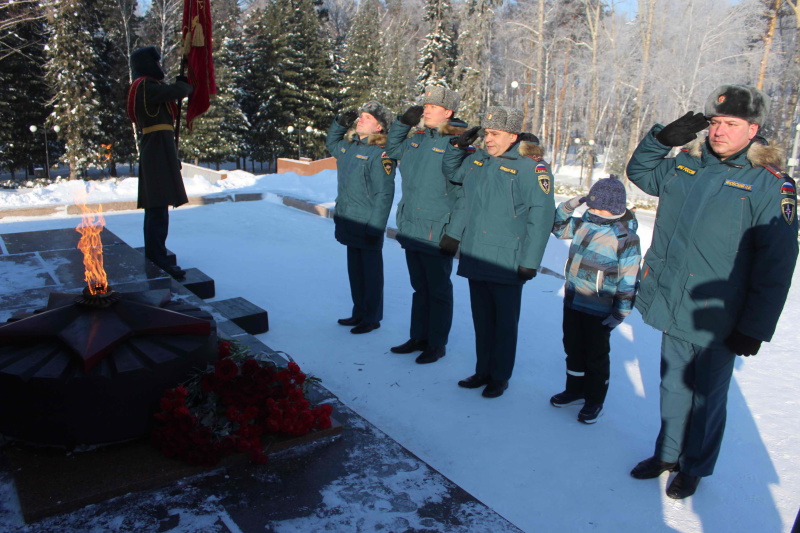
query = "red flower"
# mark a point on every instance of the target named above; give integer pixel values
(224, 349)
(226, 369)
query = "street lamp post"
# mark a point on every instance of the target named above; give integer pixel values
(514, 87)
(290, 129)
(34, 129)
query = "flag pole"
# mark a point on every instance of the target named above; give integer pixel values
(180, 104)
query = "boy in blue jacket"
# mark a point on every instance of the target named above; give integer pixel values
(601, 280)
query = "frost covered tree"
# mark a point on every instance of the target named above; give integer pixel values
(473, 72)
(71, 72)
(23, 100)
(217, 134)
(161, 27)
(437, 57)
(362, 56)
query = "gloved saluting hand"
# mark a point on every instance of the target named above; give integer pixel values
(683, 130)
(464, 140)
(347, 118)
(526, 274)
(573, 203)
(412, 115)
(742, 344)
(449, 245)
(528, 137)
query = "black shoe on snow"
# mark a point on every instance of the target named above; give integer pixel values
(682, 486)
(431, 355)
(474, 381)
(495, 388)
(411, 345)
(590, 412)
(352, 321)
(563, 399)
(652, 467)
(365, 327)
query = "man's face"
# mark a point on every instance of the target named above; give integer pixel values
(498, 142)
(435, 115)
(367, 125)
(728, 135)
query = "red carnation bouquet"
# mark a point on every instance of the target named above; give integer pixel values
(232, 406)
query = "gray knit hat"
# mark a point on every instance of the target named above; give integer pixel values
(441, 96)
(503, 118)
(380, 112)
(607, 194)
(741, 101)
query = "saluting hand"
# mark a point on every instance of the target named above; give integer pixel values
(412, 115)
(464, 140)
(347, 118)
(683, 130)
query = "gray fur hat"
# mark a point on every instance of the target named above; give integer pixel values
(380, 112)
(607, 194)
(741, 101)
(441, 96)
(503, 118)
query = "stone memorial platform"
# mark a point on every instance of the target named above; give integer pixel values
(352, 477)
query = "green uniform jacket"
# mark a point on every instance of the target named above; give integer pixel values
(724, 245)
(365, 189)
(504, 213)
(428, 197)
(160, 180)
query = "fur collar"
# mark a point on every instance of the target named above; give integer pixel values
(378, 139)
(759, 154)
(447, 128)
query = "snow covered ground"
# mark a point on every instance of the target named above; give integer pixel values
(534, 464)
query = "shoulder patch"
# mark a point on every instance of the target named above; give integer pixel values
(388, 165)
(688, 170)
(509, 170)
(541, 167)
(789, 209)
(789, 187)
(544, 183)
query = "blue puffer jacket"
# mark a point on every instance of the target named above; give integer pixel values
(428, 197)
(504, 212)
(725, 241)
(602, 270)
(365, 188)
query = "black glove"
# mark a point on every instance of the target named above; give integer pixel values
(683, 130)
(528, 137)
(183, 79)
(742, 344)
(412, 115)
(347, 118)
(526, 274)
(448, 245)
(464, 140)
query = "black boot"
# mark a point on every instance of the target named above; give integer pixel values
(431, 355)
(365, 327)
(682, 486)
(651, 468)
(495, 388)
(474, 381)
(352, 321)
(411, 345)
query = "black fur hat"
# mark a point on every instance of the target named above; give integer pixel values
(741, 101)
(144, 62)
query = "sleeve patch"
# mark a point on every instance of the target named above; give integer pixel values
(788, 187)
(544, 183)
(541, 167)
(388, 165)
(788, 209)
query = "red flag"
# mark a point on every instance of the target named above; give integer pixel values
(198, 56)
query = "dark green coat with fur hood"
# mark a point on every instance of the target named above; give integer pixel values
(725, 240)
(428, 197)
(365, 189)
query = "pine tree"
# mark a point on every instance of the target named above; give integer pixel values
(362, 56)
(71, 69)
(23, 100)
(437, 57)
(217, 134)
(474, 43)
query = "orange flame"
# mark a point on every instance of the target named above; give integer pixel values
(92, 223)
